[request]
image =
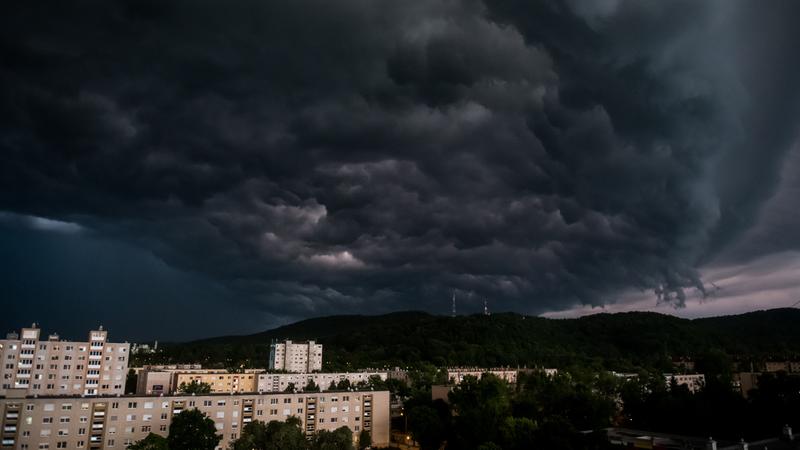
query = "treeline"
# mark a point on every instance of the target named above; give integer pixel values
(570, 411)
(626, 341)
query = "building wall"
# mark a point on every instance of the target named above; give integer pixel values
(150, 382)
(219, 382)
(115, 422)
(456, 375)
(694, 382)
(278, 382)
(54, 367)
(159, 380)
(784, 366)
(299, 357)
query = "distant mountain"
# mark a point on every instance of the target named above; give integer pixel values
(617, 341)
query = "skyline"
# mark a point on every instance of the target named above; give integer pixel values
(204, 171)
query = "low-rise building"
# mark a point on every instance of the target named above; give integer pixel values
(455, 375)
(782, 366)
(155, 381)
(116, 422)
(35, 366)
(694, 382)
(279, 382)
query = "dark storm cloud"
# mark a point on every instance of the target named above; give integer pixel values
(320, 157)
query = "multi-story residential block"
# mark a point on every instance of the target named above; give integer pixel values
(33, 366)
(300, 357)
(694, 382)
(154, 381)
(279, 382)
(782, 366)
(456, 375)
(116, 422)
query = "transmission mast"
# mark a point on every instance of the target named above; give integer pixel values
(485, 308)
(453, 313)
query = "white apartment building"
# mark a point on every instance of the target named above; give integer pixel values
(115, 422)
(278, 382)
(694, 382)
(52, 367)
(455, 375)
(299, 357)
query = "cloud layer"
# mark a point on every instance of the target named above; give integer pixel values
(362, 156)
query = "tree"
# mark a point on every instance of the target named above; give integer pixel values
(426, 427)
(338, 439)
(275, 435)
(151, 442)
(195, 387)
(343, 385)
(332, 386)
(377, 383)
(289, 388)
(364, 439)
(479, 407)
(311, 386)
(192, 430)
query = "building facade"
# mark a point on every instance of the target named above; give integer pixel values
(279, 382)
(299, 357)
(32, 366)
(694, 382)
(116, 422)
(456, 375)
(782, 366)
(165, 381)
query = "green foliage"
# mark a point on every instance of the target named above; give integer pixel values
(151, 442)
(716, 410)
(338, 439)
(276, 435)
(192, 430)
(541, 413)
(427, 427)
(623, 342)
(479, 407)
(364, 439)
(311, 387)
(194, 387)
(289, 388)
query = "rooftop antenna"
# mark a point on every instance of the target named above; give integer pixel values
(795, 304)
(453, 314)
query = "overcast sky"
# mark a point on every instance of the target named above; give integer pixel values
(193, 168)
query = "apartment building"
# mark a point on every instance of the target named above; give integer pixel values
(116, 422)
(456, 375)
(782, 366)
(155, 381)
(278, 382)
(299, 357)
(35, 366)
(694, 382)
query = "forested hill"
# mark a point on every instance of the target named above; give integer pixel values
(621, 341)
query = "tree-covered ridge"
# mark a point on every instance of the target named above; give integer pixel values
(623, 341)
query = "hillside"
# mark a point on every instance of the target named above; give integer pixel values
(623, 341)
